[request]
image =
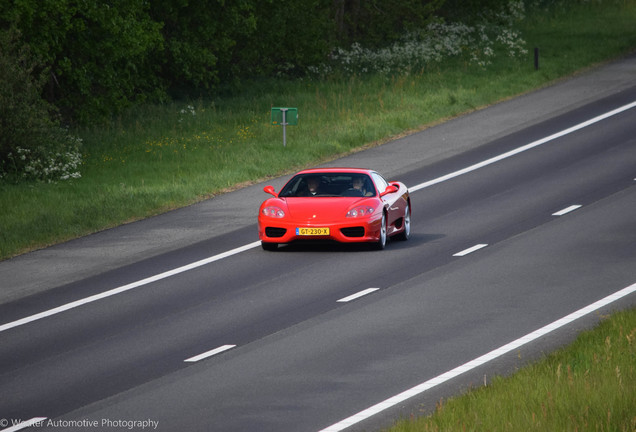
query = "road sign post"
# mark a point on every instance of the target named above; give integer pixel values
(285, 117)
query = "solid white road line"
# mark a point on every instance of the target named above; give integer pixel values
(128, 287)
(523, 148)
(208, 354)
(397, 399)
(567, 210)
(470, 250)
(357, 295)
(35, 421)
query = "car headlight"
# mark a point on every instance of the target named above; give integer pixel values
(275, 212)
(360, 211)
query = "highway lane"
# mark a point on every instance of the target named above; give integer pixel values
(181, 229)
(281, 309)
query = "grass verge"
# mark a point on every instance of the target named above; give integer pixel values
(587, 386)
(158, 158)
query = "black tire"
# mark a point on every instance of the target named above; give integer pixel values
(381, 243)
(406, 234)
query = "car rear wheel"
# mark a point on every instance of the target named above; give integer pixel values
(404, 235)
(269, 246)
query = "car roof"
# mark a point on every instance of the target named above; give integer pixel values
(336, 170)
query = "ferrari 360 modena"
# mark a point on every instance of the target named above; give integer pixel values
(345, 205)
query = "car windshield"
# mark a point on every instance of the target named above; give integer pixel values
(329, 185)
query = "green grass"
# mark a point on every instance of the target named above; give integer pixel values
(157, 158)
(587, 386)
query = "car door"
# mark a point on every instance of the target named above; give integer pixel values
(393, 202)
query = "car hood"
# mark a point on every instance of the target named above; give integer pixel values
(321, 209)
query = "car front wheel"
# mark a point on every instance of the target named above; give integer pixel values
(381, 242)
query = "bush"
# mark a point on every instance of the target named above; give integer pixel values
(492, 33)
(33, 146)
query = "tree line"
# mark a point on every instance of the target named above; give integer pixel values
(101, 55)
(81, 61)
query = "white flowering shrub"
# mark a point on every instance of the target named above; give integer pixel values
(187, 113)
(45, 163)
(492, 34)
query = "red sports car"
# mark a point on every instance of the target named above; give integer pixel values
(342, 204)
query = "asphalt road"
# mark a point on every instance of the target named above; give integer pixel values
(292, 357)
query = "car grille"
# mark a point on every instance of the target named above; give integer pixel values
(352, 231)
(275, 232)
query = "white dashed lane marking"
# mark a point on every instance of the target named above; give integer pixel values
(470, 250)
(567, 210)
(358, 295)
(210, 353)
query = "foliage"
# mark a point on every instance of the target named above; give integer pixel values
(100, 54)
(375, 23)
(476, 42)
(466, 10)
(104, 55)
(289, 37)
(201, 39)
(33, 146)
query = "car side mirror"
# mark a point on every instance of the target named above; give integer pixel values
(389, 189)
(270, 190)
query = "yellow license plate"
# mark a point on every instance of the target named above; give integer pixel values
(312, 231)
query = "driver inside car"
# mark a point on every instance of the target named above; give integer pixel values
(358, 188)
(313, 187)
